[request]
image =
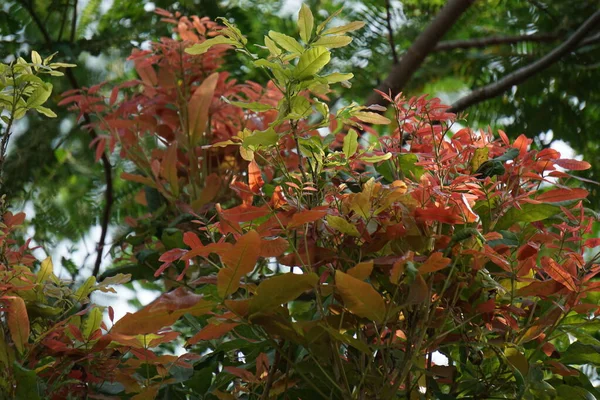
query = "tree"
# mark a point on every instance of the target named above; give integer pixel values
(298, 261)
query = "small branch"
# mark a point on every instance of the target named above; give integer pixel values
(522, 74)
(388, 19)
(494, 40)
(423, 45)
(108, 194)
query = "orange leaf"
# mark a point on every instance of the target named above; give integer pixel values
(557, 273)
(162, 312)
(362, 270)
(558, 195)
(212, 332)
(18, 321)
(255, 180)
(199, 106)
(239, 261)
(435, 262)
(304, 217)
(418, 291)
(273, 247)
(573, 165)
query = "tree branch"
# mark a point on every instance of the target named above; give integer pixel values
(522, 74)
(388, 19)
(493, 40)
(416, 54)
(108, 193)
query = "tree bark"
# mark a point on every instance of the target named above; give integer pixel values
(423, 46)
(524, 73)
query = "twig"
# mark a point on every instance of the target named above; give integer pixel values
(388, 19)
(522, 74)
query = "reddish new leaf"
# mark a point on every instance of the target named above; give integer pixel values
(199, 106)
(273, 247)
(558, 195)
(573, 165)
(558, 273)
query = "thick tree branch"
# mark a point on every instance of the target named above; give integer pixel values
(522, 74)
(494, 40)
(108, 193)
(416, 54)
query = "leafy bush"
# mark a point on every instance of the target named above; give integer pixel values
(309, 254)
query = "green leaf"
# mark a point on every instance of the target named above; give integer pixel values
(409, 169)
(341, 225)
(328, 20)
(39, 96)
(579, 353)
(527, 213)
(270, 44)
(92, 322)
(46, 111)
(359, 297)
(311, 62)
(27, 383)
(300, 108)
(201, 48)
(261, 138)
(305, 23)
(333, 42)
(338, 30)
(337, 77)
(573, 393)
(286, 42)
(281, 289)
(350, 143)
(254, 106)
(84, 290)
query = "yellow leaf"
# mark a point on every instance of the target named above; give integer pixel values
(371, 117)
(281, 289)
(17, 321)
(517, 360)
(46, 271)
(341, 225)
(360, 298)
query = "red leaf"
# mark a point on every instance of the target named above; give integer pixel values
(542, 289)
(558, 195)
(212, 332)
(192, 240)
(521, 143)
(573, 165)
(435, 262)
(556, 272)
